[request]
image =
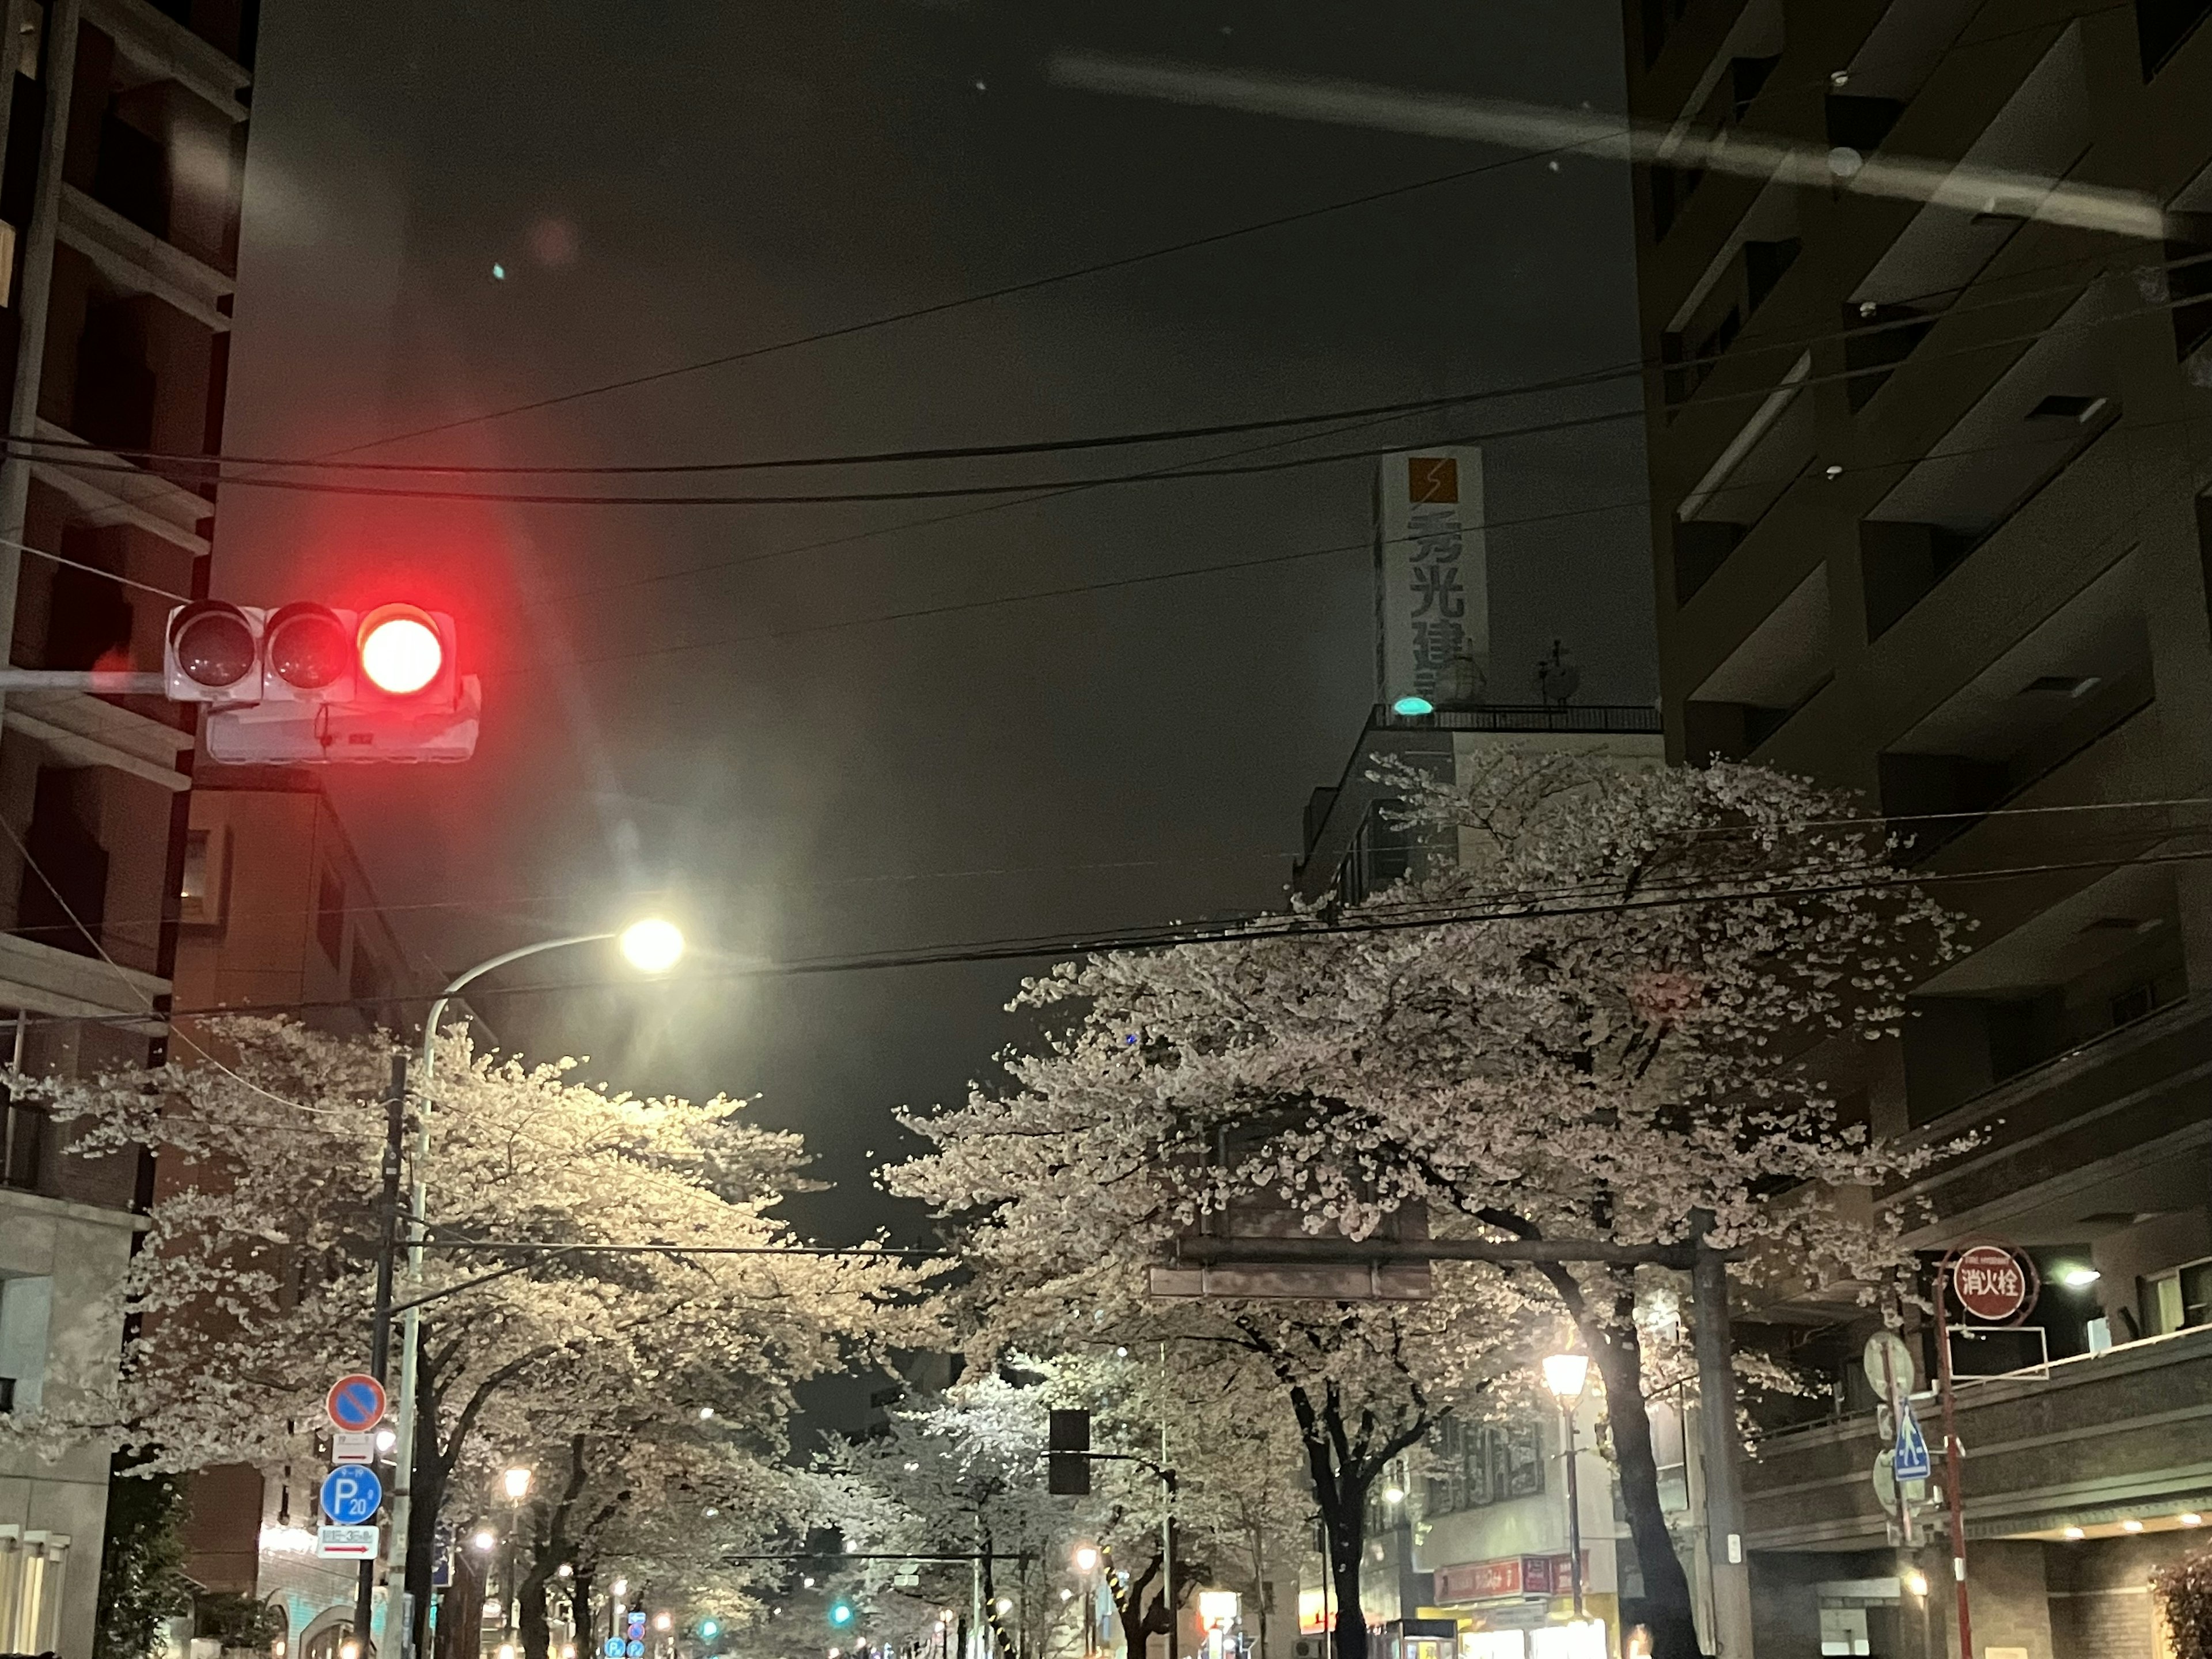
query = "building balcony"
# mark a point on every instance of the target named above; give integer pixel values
(137, 261)
(2099, 1438)
(168, 49)
(108, 489)
(2098, 1132)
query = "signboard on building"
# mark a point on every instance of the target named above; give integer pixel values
(1432, 579)
(1510, 1575)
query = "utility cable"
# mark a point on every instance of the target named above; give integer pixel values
(1260, 928)
(1169, 473)
(1260, 561)
(1052, 279)
(130, 985)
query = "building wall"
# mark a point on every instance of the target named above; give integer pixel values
(80, 1251)
(114, 318)
(1929, 516)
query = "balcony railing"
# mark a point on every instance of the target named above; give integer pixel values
(1595, 717)
(2095, 1437)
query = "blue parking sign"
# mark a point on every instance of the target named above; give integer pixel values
(613, 1648)
(351, 1494)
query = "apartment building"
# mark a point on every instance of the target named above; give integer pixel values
(123, 126)
(1929, 522)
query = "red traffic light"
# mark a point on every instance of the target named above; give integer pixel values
(401, 652)
(307, 684)
(213, 647)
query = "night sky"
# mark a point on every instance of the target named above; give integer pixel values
(690, 179)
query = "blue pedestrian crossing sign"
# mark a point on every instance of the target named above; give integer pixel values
(351, 1494)
(1909, 1457)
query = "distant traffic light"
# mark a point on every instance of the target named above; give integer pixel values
(1067, 1453)
(840, 1613)
(308, 683)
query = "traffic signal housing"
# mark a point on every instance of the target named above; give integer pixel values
(308, 683)
(1067, 1453)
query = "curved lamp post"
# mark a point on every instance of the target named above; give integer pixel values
(652, 945)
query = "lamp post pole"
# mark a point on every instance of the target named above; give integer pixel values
(1574, 1507)
(665, 947)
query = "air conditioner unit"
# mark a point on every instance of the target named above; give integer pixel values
(1310, 1647)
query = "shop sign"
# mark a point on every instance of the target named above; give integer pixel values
(1507, 1576)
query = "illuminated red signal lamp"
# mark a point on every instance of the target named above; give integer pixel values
(403, 650)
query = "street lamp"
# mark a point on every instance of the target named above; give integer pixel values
(516, 1481)
(649, 945)
(1565, 1375)
(1086, 1563)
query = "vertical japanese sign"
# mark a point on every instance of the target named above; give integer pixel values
(1432, 577)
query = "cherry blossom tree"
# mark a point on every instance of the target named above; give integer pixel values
(966, 1470)
(1611, 1011)
(1058, 1226)
(255, 1286)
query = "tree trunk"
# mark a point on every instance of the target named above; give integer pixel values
(537, 1633)
(429, 1497)
(1340, 1493)
(579, 1610)
(1617, 1355)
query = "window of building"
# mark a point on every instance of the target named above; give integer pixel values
(2133, 1003)
(330, 916)
(2179, 1299)
(22, 1145)
(24, 1306)
(192, 887)
(1844, 1632)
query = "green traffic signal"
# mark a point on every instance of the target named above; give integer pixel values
(709, 1629)
(840, 1613)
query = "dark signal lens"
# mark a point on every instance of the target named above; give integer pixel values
(214, 645)
(308, 646)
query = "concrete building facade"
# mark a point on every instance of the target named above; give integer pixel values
(1930, 520)
(122, 140)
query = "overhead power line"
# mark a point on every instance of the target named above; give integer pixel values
(1267, 927)
(1096, 268)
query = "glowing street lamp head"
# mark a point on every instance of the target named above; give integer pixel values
(1565, 1374)
(518, 1483)
(653, 946)
(483, 1541)
(1086, 1558)
(400, 650)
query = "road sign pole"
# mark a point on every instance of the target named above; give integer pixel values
(379, 1332)
(1957, 1497)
